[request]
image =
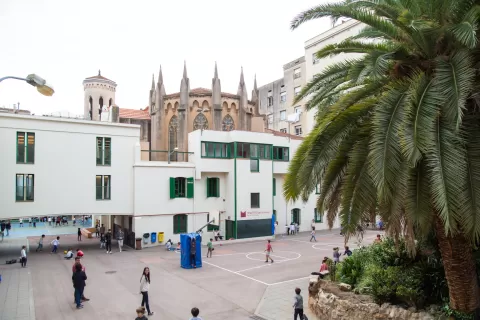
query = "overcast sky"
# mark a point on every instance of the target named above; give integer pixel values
(67, 41)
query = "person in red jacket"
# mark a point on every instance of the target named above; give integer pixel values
(77, 261)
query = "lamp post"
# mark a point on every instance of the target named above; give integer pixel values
(36, 81)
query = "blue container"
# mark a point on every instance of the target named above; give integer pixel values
(153, 237)
(185, 245)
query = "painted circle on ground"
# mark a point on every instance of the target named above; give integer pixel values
(285, 255)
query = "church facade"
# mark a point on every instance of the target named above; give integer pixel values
(167, 120)
(175, 115)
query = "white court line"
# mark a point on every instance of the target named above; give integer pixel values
(235, 272)
(283, 257)
(274, 284)
(232, 254)
(262, 266)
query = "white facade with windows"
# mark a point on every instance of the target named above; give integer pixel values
(54, 166)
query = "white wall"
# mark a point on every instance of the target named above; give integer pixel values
(65, 166)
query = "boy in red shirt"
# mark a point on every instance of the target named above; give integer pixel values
(268, 251)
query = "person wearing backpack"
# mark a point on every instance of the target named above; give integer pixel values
(298, 305)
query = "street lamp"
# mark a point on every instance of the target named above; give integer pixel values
(170, 153)
(32, 79)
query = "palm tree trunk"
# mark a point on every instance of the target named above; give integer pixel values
(460, 270)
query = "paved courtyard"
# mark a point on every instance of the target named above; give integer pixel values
(235, 284)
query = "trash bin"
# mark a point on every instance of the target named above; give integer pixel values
(146, 236)
(161, 236)
(138, 243)
(154, 237)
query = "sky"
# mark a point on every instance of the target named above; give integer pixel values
(66, 41)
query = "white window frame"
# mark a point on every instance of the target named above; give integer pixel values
(283, 115)
(296, 90)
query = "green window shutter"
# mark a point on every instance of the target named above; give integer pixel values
(274, 187)
(172, 188)
(190, 187)
(208, 188)
(20, 147)
(218, 187)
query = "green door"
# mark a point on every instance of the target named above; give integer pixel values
(229, 225)
(296, 216)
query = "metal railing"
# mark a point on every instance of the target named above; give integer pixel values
(162, 155)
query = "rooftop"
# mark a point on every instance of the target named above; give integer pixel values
(202, 92)
(281, 134)
(100, 77)
(141, 114)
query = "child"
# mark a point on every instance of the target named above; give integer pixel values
(55, 243)
(313, 236)
(336, 255)
(79, 233)
(40, 243)
(179, 247)
(195, 312)
(102, 240)
(141, 314)
(23, 256)
(268, 251)
(69, 254)
(210, 248)
(298, 304)
(347, 252)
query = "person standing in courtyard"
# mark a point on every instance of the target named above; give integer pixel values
(141, 314)
(268, 251)
(144, 286)
(97, 231)
(313, 235)
(108, 241)
(78, 262)
(336, 255)
(210, 248)
(79, 277)
(40, 243)
(298, 305)
(79, 234)
(102, 229)
(20, 222)
(8, 227)
(195, 312)
(23, 256)
(120, 236)
(55, 243)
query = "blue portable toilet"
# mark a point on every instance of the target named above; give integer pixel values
(185, 241)
(273, 224)
(153, 237)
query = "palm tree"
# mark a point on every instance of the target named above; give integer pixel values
(398, 127)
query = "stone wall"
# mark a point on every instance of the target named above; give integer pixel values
(328, 301)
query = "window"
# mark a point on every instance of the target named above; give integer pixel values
(283, 115)
(297, 73)
(213, 187)
(216, 150)
(317, 189)
(298, 130)
(180, 223)
(227, 123)
(269, 98)
(284, 130)
(264, 151)
(315, 59)
(24, 187)
(318, 217)
(211, 227)
(274, 187)
(104, 151)
(296, 91)
(243, 150)
(270, 118)
(254, 200)
(296, 216)
(181, 187)
(103, 184)
(254, 165)
(25, 147)
(280, 153)
(283, 96)
(298, 109)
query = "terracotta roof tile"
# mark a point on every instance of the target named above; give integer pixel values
(141, 114)
(282, 134)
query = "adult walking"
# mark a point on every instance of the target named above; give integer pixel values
(108, 241)
(79, 277)
(8, 227)
(120, 236)
(144, 286)
(23, 256)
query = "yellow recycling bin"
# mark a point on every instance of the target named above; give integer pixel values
(160, 237)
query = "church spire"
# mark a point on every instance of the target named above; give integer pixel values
(255, 91)
(153, 81)
(241, 84)
(160, 76)
(255, 83)
(215, 75)
(185, 70)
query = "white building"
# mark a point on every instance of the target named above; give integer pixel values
(57, 166)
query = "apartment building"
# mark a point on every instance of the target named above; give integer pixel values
(276, 99)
